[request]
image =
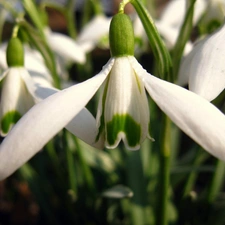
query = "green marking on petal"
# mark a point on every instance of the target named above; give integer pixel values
(123, 123)
(8, 120)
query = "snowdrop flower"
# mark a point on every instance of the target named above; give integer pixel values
(123, 110)
(215, 11)
(92, 33)
(17, 94)
(65, 47)
(174, 13)
(204, 69)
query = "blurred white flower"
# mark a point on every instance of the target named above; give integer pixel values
(215, 11)
(93, 32)
(65, 47)
(174, 12)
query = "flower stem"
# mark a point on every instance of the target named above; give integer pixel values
(217, 181)
(162, 217)
(122, 6)
(70, 164)
(184, 36)
(70, 18)
(200, 157)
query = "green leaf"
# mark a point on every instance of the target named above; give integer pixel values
(183, 37)
(33, 13)
(158, 47)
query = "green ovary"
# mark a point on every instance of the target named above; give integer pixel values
(9, 119)
(127, 125)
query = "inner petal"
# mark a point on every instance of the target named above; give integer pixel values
(126, 112)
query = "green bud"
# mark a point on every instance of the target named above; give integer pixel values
(15, 53)
(121, 36)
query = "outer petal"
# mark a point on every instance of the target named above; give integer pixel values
(65, 46)
(206, 66)
(197, 117)
(43, 121)
(83, 125)
(184, 70)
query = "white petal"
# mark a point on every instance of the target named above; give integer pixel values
(184, 70)
(65, 47)
(206, 66)
(197, 117)
(83, 125)
(34, 62)
(45, 120)
(3, 63)
(39, 88)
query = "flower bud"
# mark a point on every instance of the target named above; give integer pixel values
(121, 36)
(15, 53)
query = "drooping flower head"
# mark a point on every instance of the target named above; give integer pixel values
(123, 110)
(16, 94)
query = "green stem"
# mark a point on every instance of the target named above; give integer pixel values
(217, 181)
(159, 50)
(70, 18)
(200, 157)
(183, 37)
(97, 7)
(162, 217)
(70, 164)
(41, 44)
(87, 173)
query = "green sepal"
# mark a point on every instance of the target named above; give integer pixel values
(9, 119)
(126, 124)
(15, 53)
(121, 35)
